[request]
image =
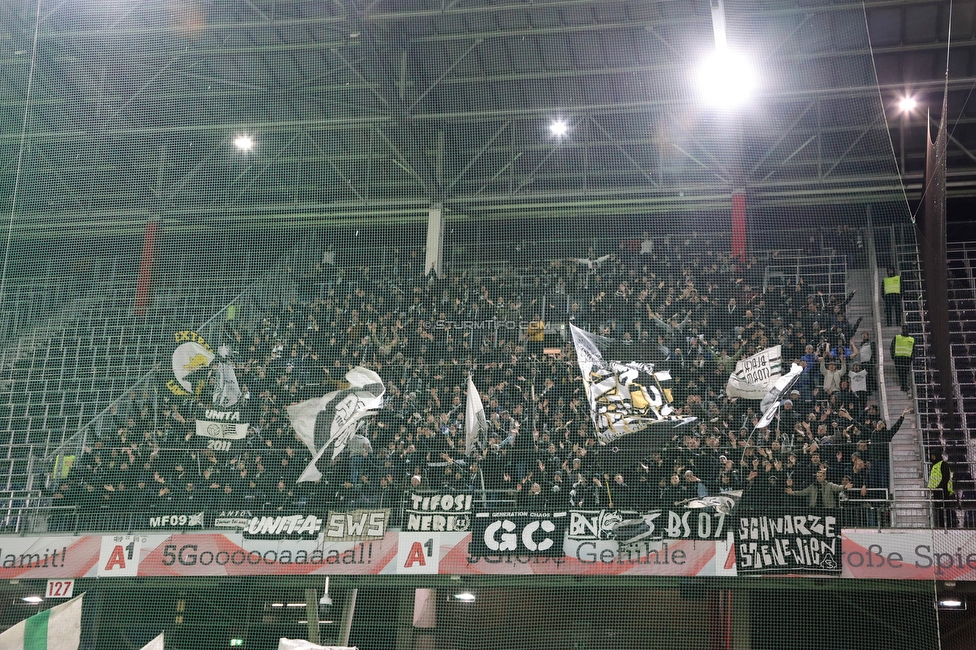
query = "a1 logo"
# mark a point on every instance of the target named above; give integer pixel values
(418, 553)
(119, 556)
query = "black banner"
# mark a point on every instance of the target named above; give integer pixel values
(356, 525)
(802, 543)
(631, 527)
(518, 533)
(283, 527)
(439, 512)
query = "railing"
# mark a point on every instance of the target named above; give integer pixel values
(825, 273)
(31, 513)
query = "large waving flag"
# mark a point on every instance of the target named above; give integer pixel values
(330, 420)
(475, 421)
(58, 628)
(754, 375)
(771, 402)
(625, 396)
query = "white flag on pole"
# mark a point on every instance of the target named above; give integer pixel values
(770, 403)
(475, 421)
(227, 391)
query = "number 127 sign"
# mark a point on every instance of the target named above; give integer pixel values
(60, 589)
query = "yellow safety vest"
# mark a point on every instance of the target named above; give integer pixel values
(62, 465)
(904, 346)
(892, 284)
(936, 477)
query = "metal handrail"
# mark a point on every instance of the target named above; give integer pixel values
(37, 514)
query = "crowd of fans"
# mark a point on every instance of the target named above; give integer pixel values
(680, 304)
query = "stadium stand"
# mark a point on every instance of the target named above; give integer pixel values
(693, 311)
(486, 324)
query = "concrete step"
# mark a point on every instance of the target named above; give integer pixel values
(905, 459)
(912, 493)
(910, 520)
(902, 446)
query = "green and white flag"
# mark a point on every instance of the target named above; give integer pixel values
(58, 628)
(155, 644)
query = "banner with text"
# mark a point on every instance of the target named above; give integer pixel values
(864, 554)
(518, 533)
(438, 512)
(808, 543)
(755, 374)
(221, 428)
(356, 525)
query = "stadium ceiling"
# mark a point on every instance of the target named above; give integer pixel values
(375, 109)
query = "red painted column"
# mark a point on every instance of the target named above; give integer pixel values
(739, 224)
(144, 283)
(720, 619)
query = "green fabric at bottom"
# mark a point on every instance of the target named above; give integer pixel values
(35, 632)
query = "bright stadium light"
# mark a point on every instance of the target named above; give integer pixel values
(558, 128)
(726, 79)
(244, 142)
(33, 600)
(951, 603)
(907, 104)
(465, 597)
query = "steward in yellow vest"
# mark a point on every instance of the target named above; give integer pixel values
(943, 492)
(902, 351)
(891, 286)
(903, 346)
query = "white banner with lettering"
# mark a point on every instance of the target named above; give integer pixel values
(754, 375)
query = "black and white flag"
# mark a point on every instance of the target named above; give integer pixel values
(475, 422)
(788, 543)
(625, 396)
(329, 421)
(771, 401)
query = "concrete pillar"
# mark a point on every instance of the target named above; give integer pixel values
(425, 619)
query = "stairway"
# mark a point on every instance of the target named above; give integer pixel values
(910, 505)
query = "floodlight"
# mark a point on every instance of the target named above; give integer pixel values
(33, 600)
(244, 142)
(951, 603)
(726, 79)
(465, 597)
(907, 104)
(558, 128)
